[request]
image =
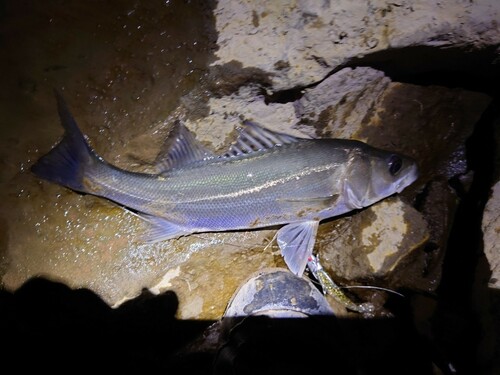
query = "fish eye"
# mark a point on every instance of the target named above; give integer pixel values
(395, 164)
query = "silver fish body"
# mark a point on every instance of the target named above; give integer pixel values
(265, 179)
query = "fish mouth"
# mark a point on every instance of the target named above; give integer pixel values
(411, 177)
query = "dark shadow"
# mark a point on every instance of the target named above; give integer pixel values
(261, 345)
(464, 327)
(463, 294)
(450, 67)
(48, 326)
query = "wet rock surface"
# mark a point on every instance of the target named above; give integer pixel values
(128, 70)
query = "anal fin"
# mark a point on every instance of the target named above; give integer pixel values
(160, 229)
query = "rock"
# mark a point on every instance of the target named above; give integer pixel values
(491, 221)
(431, 123)
(491, 235)
(338, 106)
(299, 43)
(437, 203)
(373, 242)
(226, 112)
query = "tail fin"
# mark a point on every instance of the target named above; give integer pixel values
(66, 163)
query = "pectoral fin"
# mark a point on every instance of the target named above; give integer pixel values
(296, 242)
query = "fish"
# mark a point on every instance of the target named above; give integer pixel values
(265, 179)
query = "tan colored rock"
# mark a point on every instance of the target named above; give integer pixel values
(338, 106)
(373, 242)
(226, 113)
(299, 42)
(491, 235)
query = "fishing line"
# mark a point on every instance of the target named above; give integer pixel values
(373, 287)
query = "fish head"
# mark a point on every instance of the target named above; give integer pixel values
(374, 174)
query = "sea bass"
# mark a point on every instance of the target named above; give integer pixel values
(264, 179)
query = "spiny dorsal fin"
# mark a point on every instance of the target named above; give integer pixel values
(183, 149)
(254, 137)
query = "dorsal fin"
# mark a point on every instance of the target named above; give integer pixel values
(254, 137)
(182, 149)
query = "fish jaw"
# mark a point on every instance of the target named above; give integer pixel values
(409, 178)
